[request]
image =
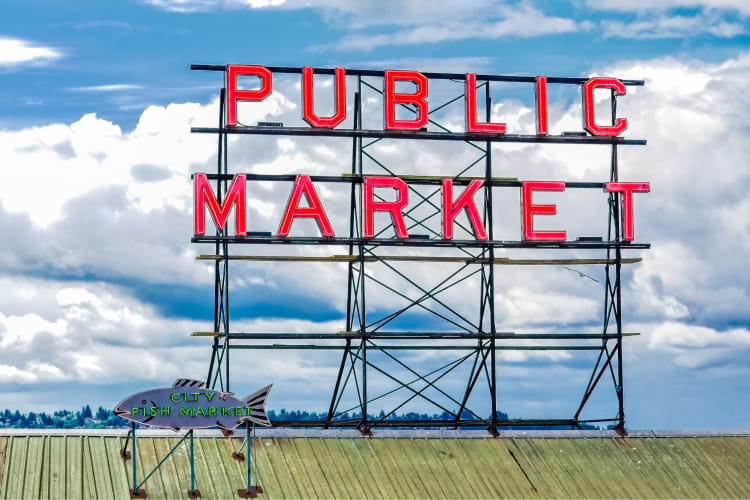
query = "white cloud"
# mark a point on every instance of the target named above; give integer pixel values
(208, 5)
(444, 64)
(695, 346)
(16, 52)
(21, 330)
(673, 26)
(650, 5)
(421, 21)
(501, 22)
(114, 87)
(32, 372)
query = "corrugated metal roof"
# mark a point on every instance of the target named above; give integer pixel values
(90, 466)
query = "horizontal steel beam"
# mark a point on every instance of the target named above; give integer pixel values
(319, 347)
(567, 422)
(428, 74)
(412, 336)
(426, 180)
(504, 261)
(417, 242)
(420, 134)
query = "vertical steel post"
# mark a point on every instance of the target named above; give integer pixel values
(192, 463)
(350, 299)
(363, 304)
(247, 440)
(226, 271)
(132, 447)
(493, 330)
(618, 265)
(217, 264)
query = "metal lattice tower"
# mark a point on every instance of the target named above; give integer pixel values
(372, 348)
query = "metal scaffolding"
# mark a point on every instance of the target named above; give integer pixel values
(372, 344)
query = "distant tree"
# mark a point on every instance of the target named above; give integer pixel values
(102, 413)
(86, 412)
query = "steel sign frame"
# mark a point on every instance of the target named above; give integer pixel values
(366, 345)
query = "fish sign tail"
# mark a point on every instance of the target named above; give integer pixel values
(257, 401)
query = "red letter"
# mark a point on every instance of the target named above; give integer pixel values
(471, 110)
(307, 99)
(394, 207)
(303, 184)
(588, 106)
(202, 194)
(234, 95)
(541, 105)
(417, 98)
(627, 189)
(530, 210)
(466, 200)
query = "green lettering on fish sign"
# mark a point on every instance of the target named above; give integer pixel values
(176, 397)
(187, 410)
(226, 412)
(248, 411)
(200, 412)
(212, 411)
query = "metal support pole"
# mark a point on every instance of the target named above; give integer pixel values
(618, 288)
(249, 491)
(363, 305)
(132, 444)
(135, 492)
(192, 492)
(249, 457)
(488, 175)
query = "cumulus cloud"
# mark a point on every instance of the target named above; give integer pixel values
(696, 346)
(15, 52)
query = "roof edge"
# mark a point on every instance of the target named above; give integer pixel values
(389, 433)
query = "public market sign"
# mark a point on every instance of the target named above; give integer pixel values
(188, 404)
(457, 194)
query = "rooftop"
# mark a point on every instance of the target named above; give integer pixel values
(309, 463)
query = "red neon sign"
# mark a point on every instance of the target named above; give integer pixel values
(472, 125)
(465, 201)
(303, 186)
(627, 189)
(529, 210)
(417, 100)
(370, 206)
(541, 105)
(588, 106)
(203, 194)
(339, 86)
(234, 95)
(391, 98)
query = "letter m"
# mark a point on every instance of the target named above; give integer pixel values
(203, 195)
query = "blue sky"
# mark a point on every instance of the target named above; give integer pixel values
(96, 101)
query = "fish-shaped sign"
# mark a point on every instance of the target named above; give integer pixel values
(188, 404)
